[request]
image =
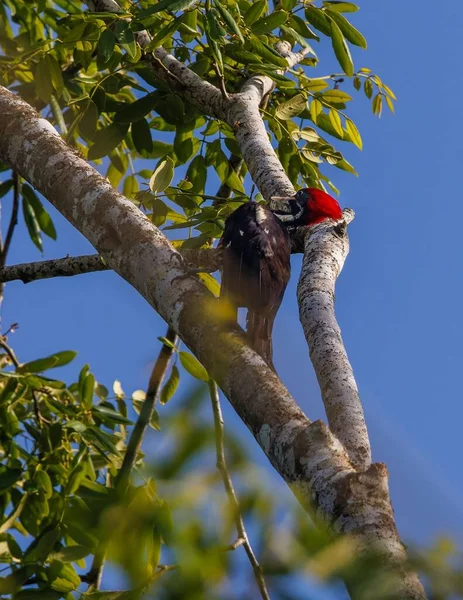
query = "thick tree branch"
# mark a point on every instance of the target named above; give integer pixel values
(308, 456)
(326, 248)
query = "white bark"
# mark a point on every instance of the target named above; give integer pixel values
(309, 457)
(326, 248)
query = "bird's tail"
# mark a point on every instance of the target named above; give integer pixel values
(259, 330)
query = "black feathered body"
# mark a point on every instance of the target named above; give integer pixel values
(256, 270)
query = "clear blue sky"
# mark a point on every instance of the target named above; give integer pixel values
(398, 298)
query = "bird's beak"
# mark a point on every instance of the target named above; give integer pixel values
(280, 204)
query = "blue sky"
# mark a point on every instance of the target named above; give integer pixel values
(398, 298)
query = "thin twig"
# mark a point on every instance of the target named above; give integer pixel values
(13, 219)
(209, 259)
(9, 351)
(123, 477)
(228, 484)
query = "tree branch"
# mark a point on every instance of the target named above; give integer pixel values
(124, 474)
(307, 455)
(326, 248)
(13, 219)
(232, 498)
(206, 259)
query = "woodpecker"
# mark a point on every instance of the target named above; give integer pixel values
(308, 207)
(256, 270)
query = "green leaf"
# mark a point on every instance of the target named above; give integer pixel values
(229, 20)
(162, 176)
(345, 166)
(390, 104)
(8, 477)
(211, 283)
(292, 33)
(103, 438)
(137, 110)
(270, 22)
(159, 212)
(336, 96)
(368, 88)
(254, 12)
(43, 218)
(106, 44)
(32, 224)
(267, 52)
(167, 343)
(107, 139)
(345, 7)
(302, 28)
(71, 553)
(336, 122)
(37, 366)
(163, 34)
(172, 5)
(341, 49)
(141, 136)
(55, 73)
(354, 133)
(44, 482)
(377, 104)
(88, 389)
(308, 134)
(5, 187)
(325, 123)
(317, 18)
(107, 414)
(197, 173)
(170, 386)
(291, 108)
(191, 364)
(357, 83)
(64, 357)
(43, 80)
(349, 31)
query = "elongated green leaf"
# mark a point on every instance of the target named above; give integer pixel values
(170, 386)
(43, 218)
(191, 364)
(302, 28)
(55, 73)
(172, 5)
(368, 88)
(8, 477)
(377, 104)
(291, 108)
(336, 96)
(336, 122)
(267, 52)
(354, 133)
(346, 166)
(197, 173)
(308, 134)
(229, 20)
(297, 38)
(324, 122)
(39, 365)
(141, 136)
(162, 176)
(316, 108)
(390, 104)
(5, 187)
(106, 44)
(137, 110)
(163, 34)
(88, 388)
(107, 414)
(341, 49)
(43, 80)
(103, 438)
(107, 139)
(270, 22)
(345, 7)
(254, 12)
(317, 18)
(349, 31)
(71, 553)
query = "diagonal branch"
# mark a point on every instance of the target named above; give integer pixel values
(228, 484)
(326, 248)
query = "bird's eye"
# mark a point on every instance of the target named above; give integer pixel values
(301, 196)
